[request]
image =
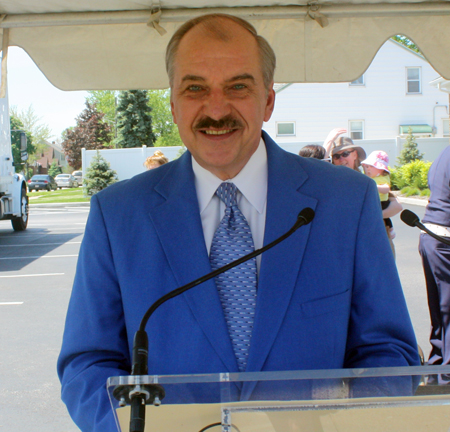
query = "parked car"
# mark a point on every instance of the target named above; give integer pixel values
(66, 180)
(42, 182)
(79, 176)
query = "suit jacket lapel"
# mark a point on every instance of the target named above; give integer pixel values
(178, 224)
(280, 266)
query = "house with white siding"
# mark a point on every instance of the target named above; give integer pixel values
(392, 95)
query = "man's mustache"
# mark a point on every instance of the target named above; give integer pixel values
(227, 122)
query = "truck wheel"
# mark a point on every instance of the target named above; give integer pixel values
(20, 223)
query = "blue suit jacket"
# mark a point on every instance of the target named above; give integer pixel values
(328, 297)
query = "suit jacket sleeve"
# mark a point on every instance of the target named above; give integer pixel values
(92, 351)
(380, 332)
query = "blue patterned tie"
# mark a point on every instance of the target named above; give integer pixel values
(237, 287)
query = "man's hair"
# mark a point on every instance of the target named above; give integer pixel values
(315, 151)
(215, 25)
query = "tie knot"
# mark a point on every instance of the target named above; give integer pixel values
(227, 193)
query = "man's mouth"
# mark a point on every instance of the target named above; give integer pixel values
(217, 132)
(226, 125)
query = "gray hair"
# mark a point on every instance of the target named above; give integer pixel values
(213, 25)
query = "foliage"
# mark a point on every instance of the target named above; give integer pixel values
(165, 130)
(99, 175)
(406, 42)
(91, 133)
(134, 120)
(105, 101)
(16, 126)
(54, 169)
(410, 191)
(413, 174)
(410, 151)
(31, 122)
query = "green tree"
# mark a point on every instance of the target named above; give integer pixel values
(165, 130)
(410, 151)
(134, 120)
(99, 175)
(54, 169)
(406, 42)
(105, 101)
(16, 127)
(91, 133)
(32, 123)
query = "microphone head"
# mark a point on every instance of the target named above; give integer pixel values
(409, 218)
(306, 215)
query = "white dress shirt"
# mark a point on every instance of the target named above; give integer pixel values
(251, 198)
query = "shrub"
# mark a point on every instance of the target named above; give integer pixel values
(413, 174)
(54, 169)
(410, 151)
(410, 191)
(99, 175)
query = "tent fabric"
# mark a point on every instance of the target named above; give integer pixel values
(108, 44)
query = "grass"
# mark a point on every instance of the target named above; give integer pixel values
(414, 192)
(58, 196)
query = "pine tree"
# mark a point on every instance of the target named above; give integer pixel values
(54, 169)
(99, 175)
(410, 151)
(91, 133)
(134, 120)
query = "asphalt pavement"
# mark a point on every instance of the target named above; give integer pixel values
(37, 268)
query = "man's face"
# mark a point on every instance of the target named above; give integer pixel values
(218, 99)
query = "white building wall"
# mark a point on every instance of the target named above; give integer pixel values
(381, 102)
(129, 162)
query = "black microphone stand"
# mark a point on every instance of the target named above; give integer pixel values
(141, 395)
(411, 219)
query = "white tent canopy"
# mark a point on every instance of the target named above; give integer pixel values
(116, 44)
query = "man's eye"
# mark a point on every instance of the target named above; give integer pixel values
(239, 86)
(194, 88)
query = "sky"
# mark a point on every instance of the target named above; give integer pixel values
(28, 86)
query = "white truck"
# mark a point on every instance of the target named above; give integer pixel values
(13, 188)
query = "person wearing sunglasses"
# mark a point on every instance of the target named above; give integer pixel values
(344, 152)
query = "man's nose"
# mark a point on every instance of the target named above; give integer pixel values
(217, 105)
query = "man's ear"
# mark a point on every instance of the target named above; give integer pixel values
(270, 103)
(174, 117)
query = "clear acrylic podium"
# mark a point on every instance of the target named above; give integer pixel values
(403, 399)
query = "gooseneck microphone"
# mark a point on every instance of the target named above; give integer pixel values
(140, 395)
(411, 219)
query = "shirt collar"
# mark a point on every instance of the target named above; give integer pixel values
(251, 180)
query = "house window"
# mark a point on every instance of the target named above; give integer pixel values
(358, 82)
(286, 129)
(413, 80)
(356, 129)
(445, 124)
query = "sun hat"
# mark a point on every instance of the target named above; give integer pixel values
(346, 143)
(378, 159)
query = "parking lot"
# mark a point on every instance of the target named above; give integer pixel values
(36, 274)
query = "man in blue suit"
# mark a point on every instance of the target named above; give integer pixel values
(327, 297)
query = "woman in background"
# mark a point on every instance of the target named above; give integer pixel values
(156, 160)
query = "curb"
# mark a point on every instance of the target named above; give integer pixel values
(414, 201)
(59, 205)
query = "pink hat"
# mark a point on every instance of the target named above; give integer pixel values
(378, 159)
